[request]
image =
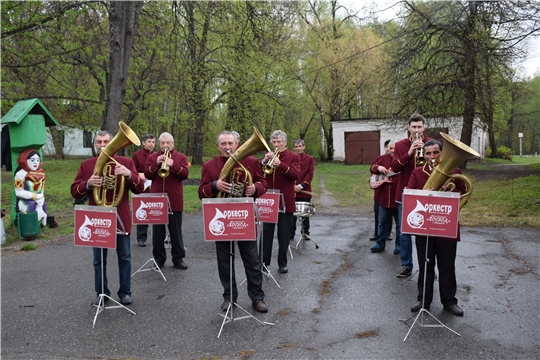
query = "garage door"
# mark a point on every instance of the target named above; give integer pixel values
(362, 147)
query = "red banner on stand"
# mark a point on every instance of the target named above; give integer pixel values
(430, 213)
(229, 219)
(268, 205)
(95, 226)
(150, 209)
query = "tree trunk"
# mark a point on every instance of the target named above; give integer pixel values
(58, 148)
(123, 16)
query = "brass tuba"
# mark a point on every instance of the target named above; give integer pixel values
(104, 167)
(240, 177)
(454, 152)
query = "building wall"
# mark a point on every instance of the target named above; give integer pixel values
(73, 143)
(398, 130)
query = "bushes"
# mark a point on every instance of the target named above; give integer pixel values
(504, 153)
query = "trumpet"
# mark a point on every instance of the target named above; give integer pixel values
(419, 155)
(164, 169)
(268, 168)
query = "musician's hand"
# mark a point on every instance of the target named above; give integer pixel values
(276, 162)
(297, 188)
(143, 178)
(170, 162)
(160, 158)
(267, 157)
(122, 170)
(417, 144)
(250, 190)
(94, 181)
(223, 186)
(382, 170)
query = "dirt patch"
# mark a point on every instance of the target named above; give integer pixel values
(502, 172)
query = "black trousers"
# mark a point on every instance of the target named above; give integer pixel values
(252, 266)
(142, 231)
(178, 251)
(284, 225)
(442, 253)
(376, 204)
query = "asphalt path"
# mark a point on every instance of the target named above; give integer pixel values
(337, 302)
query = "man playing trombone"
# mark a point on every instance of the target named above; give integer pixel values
(168, 169)
(282, 168)
(212, 184)
(302, 187)
(83, 185)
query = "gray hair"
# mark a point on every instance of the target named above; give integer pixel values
(278, 134)
(104, 133)
(225, 133)
(166, 134)
(236, 136)
(299, 141)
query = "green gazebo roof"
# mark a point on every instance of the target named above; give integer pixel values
(30, 106)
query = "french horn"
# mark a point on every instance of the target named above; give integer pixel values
(454, 152)
(105, 167)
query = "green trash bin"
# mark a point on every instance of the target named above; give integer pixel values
(28, 224)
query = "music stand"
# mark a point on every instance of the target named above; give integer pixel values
(228, 316)
(106, 238)
(152, 261)
(423, 227)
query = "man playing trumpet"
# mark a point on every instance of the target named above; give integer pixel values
(82, 186)
(211, 185)
(282, 169)
(168, 169)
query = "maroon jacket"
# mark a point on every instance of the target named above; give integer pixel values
(212, 168)
(284, 177)
(420, 176)
(139, 158)
(404, 164)
(173, 184)
(386, 192)
(307, 168)
(78, 188)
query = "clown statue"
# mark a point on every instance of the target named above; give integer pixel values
(30, 184)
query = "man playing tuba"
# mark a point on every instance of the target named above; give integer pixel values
(212, 184)
(441, 251)
(83, 185)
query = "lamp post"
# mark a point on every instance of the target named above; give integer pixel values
(520, 144)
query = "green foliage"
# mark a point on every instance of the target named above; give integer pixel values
(503, 151)
(28, 247)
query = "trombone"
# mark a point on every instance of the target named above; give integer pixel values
(268, 168)
(164, 169)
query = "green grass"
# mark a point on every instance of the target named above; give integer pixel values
(511, 203)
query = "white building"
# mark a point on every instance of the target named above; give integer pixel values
(360, 141)
(75, 143)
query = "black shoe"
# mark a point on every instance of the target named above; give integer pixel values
(404, 272)
(417, 306)
(454, 309)
(141, 243)
(373, 238)
(180, 264)
(126, 300)
(283, 270)
(376, 249)
(260, 306)
(226, 303)
(96, 302)
(389, 238)
(160, 264)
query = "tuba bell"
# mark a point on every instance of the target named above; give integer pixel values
(454, 152)
(239, 177)
(104, 167)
